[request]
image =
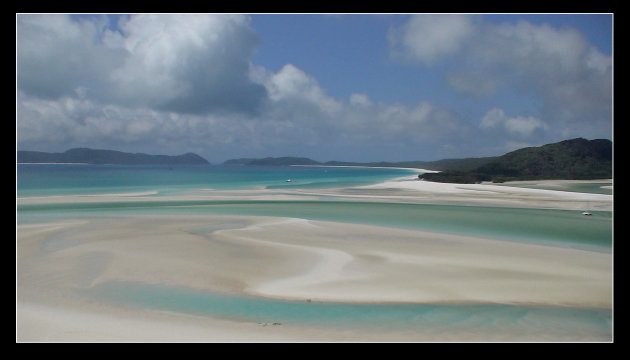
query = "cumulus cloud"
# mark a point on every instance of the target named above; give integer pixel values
(428, 38)
(188, 63)
(360, 100)
(178, 83)
(558, 67)
(297, 114)
(57, 56)
(291, 84)
(521, 126)
(573, 79)
(182, 63)
(299, 111)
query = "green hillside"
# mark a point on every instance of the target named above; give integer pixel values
(577, 159)
(92, 156)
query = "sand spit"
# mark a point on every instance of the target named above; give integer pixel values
(405, 190)
(280, 258)
(293, 259)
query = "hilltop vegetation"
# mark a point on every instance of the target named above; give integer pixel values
(570, 159)
(91, 156)
(444, 164)
(577, 159)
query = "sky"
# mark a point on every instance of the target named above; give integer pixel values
(347, 87)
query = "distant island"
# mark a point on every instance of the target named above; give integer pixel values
(569, 159)
(271, 161)
(444, 164)
(576, 159)
(92, 156)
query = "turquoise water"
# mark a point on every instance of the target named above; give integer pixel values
(66, 179)
(544, 226)
(491, 318)
(592, 188)
(549, 227)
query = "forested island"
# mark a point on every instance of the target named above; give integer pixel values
(92, 156)
(577, 159)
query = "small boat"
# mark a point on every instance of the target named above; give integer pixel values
(586, 212)
(289, 180)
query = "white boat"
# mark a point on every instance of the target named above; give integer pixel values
(289, 180)
(586, 212)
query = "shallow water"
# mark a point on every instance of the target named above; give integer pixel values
(522, 321)
(67, 179)
(544, 226)
(590, 187)
(537, 225)
(548, 227)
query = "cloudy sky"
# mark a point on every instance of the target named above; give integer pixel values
(389, 87)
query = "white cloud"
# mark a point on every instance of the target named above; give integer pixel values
(520, 126)
(428, 38)
(56, 56)
(298, 113)
(557, 67)
(524, 125)
(188, 63)
(186, 83)
(191, 63)
(493, 118)
(360, 100)
(423, 123)
(291, 84)
(298, 107)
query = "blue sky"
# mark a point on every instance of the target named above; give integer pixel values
(339, 50)
(352, 87)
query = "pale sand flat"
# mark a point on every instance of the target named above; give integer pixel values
(406, 189)
(291, 259)
(281, 258)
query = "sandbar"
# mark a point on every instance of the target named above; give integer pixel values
(291, 259)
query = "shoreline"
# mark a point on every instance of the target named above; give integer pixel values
(328, 262)
(292, 259)
(496, 195)
(405, 189)
(420, 170)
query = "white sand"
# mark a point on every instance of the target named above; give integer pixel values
(500, 195)
(290, 259)
(405, 189)
(81, 323)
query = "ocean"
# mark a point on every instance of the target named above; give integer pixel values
(542, 226)
(562, 227)
(77, 179)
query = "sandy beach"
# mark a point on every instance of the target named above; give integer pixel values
(293, 259)
(274, 177)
